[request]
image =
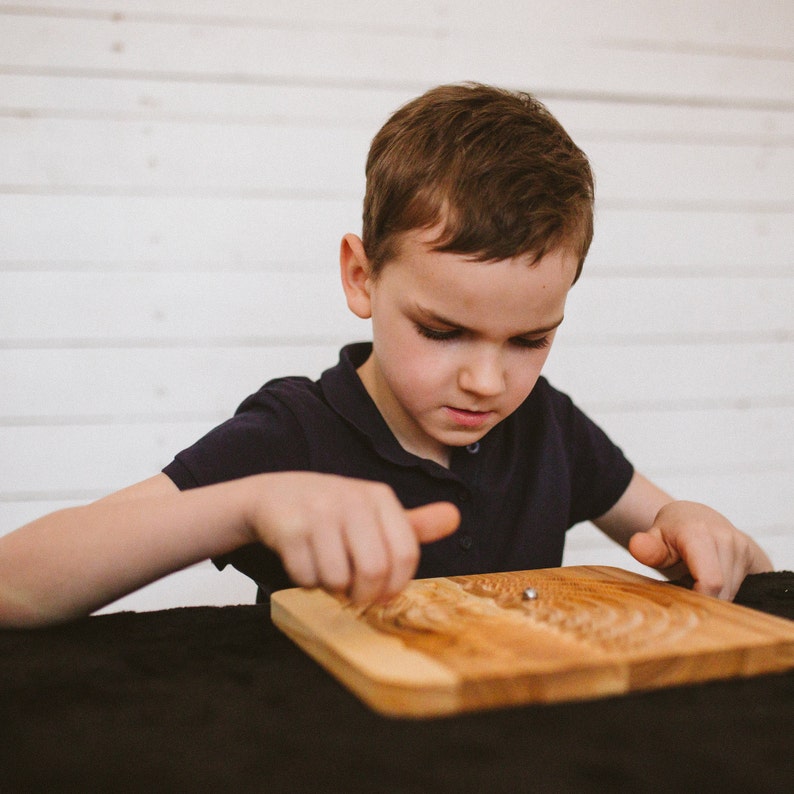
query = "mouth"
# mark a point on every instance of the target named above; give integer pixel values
(466, 418)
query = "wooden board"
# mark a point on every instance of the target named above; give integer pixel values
(463, 643)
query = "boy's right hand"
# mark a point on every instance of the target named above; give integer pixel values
(342, 534)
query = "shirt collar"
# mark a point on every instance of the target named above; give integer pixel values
(346, 394)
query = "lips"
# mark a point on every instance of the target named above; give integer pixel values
(466, 418)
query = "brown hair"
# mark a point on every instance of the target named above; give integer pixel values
(493, 166)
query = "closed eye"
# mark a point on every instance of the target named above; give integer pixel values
(532, 344)
(437, 335)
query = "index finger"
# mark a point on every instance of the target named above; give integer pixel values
(702, 557)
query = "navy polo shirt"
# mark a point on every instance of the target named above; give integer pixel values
(537, 473)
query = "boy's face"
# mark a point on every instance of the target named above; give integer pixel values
(458, 345)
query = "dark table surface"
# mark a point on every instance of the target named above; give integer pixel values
(216, 699)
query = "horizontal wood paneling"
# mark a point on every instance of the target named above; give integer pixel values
(705, 23)
(200, 47)
(155, 157)
(121, 98)
(121, 156)
(389, 55)
(72, 232)
(689, 310)
(691, 442)
(692, 241)
(161, 306)
(127, 384)
(662, 375)
(88, 461)
(128, 98)
(409, 14)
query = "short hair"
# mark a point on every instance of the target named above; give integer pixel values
(493, 167)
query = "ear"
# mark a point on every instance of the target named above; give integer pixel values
(355, 271)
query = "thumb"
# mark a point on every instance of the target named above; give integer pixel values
(650, 549)
(434, 521)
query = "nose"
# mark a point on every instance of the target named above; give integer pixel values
(482, 373)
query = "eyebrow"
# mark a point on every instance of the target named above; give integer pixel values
(430, 316)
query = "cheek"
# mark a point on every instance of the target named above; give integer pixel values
(419, 369)
(424, 370)
(525, 374)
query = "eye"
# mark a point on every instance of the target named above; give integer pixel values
(532, 344)
(435, 334)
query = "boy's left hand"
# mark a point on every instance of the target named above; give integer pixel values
(714, 552)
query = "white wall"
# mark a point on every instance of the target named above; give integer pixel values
(175, 176)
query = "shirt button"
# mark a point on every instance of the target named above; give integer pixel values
(474, 448)
(465, 542)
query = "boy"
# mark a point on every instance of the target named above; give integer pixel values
(477, 220)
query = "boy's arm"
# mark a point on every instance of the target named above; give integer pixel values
(73, 561)
(683, 537)
(335, 532)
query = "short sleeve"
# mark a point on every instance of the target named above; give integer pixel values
(600, 472)
(263, 436)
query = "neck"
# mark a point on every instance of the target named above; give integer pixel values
(408, 435)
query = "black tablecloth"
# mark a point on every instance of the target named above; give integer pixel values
(216, 699)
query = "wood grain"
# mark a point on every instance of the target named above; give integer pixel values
(464, 643)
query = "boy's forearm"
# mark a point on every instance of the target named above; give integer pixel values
(679, 537)
(71, 562)
(635, 511)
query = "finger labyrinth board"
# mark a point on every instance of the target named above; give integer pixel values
(469, 642)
